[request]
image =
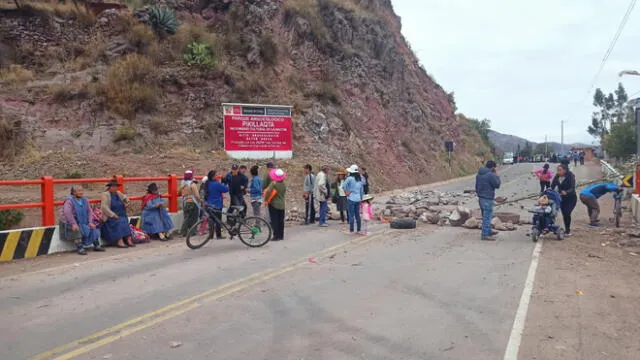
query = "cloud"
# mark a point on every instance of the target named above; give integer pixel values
(524, 65)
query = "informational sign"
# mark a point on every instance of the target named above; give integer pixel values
(257, 131)
(448, 146)
(627, 181)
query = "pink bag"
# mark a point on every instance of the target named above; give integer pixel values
(138, 236)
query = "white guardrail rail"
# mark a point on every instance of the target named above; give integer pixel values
(610, 172)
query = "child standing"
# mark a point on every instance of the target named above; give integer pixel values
(366, 209)
(544, 175)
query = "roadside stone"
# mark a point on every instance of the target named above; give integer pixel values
(508, 217)
(459, 216)
(472, 223)
(506, 227)
(634, 233)
(495, 222)
(433, 218)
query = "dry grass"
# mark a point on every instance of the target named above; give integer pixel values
(188, 33)
(355, 8)
(125, 133)
(67, 11)
(309, 10)
(62, 93)
(159, 126)
(16, 75)
(12, 137)
(131, 86)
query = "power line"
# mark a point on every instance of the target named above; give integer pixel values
(612, 45)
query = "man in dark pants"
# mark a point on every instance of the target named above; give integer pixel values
(365, 176)
(589, 197)
(487, 181)
(238, 184)
(309, 208)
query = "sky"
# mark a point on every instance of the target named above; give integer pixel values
(525, 65)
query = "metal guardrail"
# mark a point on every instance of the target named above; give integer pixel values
(610, 172)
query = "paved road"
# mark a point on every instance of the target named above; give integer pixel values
(432, 293)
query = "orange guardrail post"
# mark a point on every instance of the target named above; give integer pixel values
(173, 193)
(48, 208)
(637, 184)
(120, 181)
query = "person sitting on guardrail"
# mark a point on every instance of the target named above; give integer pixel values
(76, 222)
(115, 230)
(589, 197)
(155, 219)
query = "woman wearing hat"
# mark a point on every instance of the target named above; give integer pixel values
(155, 218)
(339, 195)
(354, 188)
(115, 230)
(274, 197)
(190, 202)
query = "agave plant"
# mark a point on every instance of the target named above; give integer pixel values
(163, 20)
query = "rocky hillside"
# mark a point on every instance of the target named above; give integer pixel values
(130, 89)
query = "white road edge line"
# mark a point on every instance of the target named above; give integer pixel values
(515, 338)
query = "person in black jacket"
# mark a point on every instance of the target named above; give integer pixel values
(565, 182)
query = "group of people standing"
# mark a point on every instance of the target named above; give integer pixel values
(268, 191)
(349, 191)
(564, 182)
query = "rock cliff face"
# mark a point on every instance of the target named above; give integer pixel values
(359, 93)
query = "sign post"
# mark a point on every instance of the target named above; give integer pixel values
(448, 146)
(637, 189)
(257, 131)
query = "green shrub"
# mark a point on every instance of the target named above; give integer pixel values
(163, 20)
(325, 93)
(75, 174)
(125, 133)
(199, 54)
(9, 218)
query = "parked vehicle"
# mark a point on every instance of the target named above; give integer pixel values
(507, 158)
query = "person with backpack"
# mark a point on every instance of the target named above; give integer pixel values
(308, 195)
(321, 192)
(190, 202)
(354, 188)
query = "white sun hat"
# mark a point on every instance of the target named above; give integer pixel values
(353, 169)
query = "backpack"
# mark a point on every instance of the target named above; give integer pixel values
(138, 236)
(269, 193)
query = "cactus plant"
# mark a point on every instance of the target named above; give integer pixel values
(163, 20)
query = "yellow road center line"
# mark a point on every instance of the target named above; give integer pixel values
(102, 338)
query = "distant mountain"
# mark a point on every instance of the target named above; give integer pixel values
(506, 143)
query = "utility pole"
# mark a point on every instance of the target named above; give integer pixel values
(562, 137)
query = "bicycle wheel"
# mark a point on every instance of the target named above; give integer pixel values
(254, 231)
(195, 238)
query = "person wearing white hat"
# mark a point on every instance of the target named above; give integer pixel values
(354, 188)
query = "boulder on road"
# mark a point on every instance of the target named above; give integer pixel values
(495, 222)
(433, 218)
(459, 216)
(472, 223)
(507, 226)
(508, 217)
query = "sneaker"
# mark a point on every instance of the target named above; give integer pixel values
(82, 251)
(221, 237)
(99, 249)
(567, 234)
(488, 238)
(594, 225)
(324, 225)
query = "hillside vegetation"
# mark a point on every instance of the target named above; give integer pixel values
(137, 90)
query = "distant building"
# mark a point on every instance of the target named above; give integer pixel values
(589, 152)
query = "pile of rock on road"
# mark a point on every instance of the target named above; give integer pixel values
(444, 209)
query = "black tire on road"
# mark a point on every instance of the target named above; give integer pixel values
(403, 224)
(196, 240)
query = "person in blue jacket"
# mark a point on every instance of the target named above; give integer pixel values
(214, 197)
(589, 197)
(487, 181)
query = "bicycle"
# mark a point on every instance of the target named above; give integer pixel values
(252, 231)
(617, 207)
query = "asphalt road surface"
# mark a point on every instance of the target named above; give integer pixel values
(429, 293)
